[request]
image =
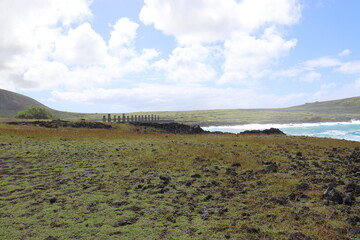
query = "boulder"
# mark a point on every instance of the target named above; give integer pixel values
(333, 195)
(270, 131)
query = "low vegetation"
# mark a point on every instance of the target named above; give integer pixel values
(134, 182)
(35, 113)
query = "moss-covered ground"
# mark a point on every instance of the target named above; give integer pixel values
(135, 183)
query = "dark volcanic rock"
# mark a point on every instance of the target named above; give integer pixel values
(279, 200)
(333, 195)
(355, 156)
(302, 186)
(165, 178)
(51, 238)
(266, 131)
(60, 123)
(353, 188)
(337, 197)
(299, 236)
(177, 128)
(253, 230)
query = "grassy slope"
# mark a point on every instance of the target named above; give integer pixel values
(111, 184)
(345, 109)
(339, 110)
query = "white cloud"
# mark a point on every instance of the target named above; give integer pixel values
(324, 62)
(345, 53)
(47, 44)
(122, 38)
(28, 25)
(199, 21)
(324, 91)
(310, 77)
(81, 46)
(248, 57)
(156, 97)
(350, 67)
(186, 64)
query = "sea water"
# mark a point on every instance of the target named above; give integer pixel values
(340, 130)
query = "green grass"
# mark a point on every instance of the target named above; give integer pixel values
(339, 110)
(109, 184)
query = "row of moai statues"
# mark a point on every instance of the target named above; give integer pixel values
(132, 118)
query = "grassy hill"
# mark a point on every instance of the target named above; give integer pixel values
(337, 110)
(11, 103)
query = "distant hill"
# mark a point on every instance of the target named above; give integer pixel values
(343, 106)
(11, 103)
(336, 110)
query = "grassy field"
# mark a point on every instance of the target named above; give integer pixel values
(136, 183)
(338, 110)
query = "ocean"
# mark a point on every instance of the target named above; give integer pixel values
(339, 130)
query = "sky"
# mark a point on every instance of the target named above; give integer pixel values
(114, 56)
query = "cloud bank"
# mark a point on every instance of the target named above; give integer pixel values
(226, 52)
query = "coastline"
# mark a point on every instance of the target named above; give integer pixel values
(349, 130)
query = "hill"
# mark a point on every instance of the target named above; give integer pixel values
(11, 103)
(336, 110)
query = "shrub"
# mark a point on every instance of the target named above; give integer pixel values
(35, 113)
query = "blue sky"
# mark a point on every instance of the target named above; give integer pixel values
(158, 55)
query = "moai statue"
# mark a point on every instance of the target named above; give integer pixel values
(145, 118)
(123, 118)
(128, 118)
(104, 118)
(132, 118)
(149, 118)
(142, 118)
(119, 119)
(109, 117)
(114, 118)
(158, 118)
(136, 118)
(152, 117)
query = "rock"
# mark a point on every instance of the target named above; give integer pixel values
(353, 220)
(231, 171)
(273, 168)
(266, 131)
(279, 200)
(298, 196)
(302, 186)
(299, 236)
(353, 188)
(337, 197)
(51, 238)
(165, 178)
(348, 199)
(196, 176)
(253, 230)
(125, 222)
(333, 195)
(176, 128)
(52, 200)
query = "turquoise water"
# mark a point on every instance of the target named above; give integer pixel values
(340, 130)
